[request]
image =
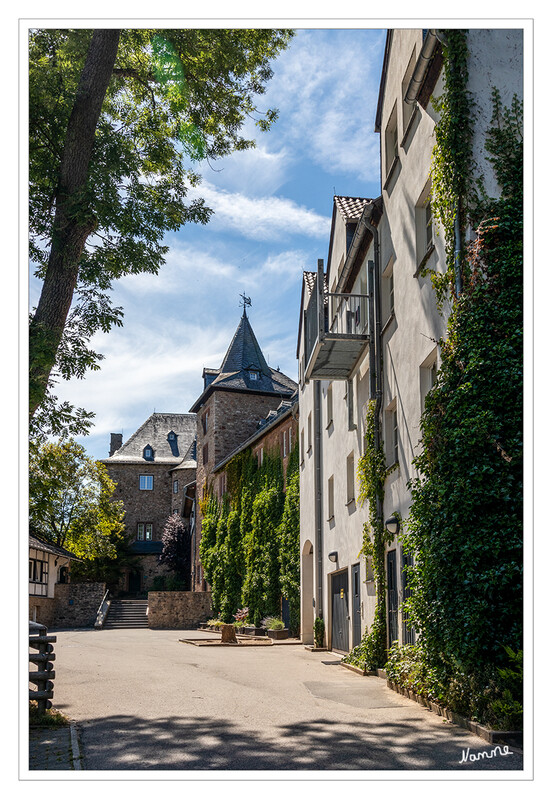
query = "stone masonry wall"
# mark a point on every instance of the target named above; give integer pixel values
(153, 507)
(178, 610)
(42, 609)
(77, 604)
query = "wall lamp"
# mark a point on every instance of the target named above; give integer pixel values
(392, 525)
(333, 557)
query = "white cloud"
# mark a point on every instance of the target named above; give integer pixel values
(326, 85)
(262, 171)
(264, 218)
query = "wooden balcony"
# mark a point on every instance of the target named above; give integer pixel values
(336, 329)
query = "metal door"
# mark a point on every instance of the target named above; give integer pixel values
(340, 611)
(392, 597)
(355, 578)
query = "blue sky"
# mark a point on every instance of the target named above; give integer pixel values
(272, 221)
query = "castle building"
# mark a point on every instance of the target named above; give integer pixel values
(155, 475)
(235, 398)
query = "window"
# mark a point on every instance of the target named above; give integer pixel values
(391, 142)
(222, 485)
(205, 453)
(388, 291)
(350, 397)
(395, 435)
(260, 456)
(408, 109)
(290, 433)
(284, 444)
(253, 375)
(148, 453)
(205, 421)
(146, 482)
(425, 241)
(144, 531)
(172, 438)
(175, 486)
(309, 433)
(38, 570)
(330, 498)
(302, 446)
(329, 406)
(350, 478)
(392, 434)
(428, 376)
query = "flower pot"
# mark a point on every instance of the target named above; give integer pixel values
(254, 631)
(278, 634)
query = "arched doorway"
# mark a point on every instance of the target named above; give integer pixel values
(307, 593)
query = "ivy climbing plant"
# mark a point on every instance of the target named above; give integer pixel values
(465, 525)
(249, 544)
(371, 653)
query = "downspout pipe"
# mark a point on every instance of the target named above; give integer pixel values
(420, 69)
(318, 456)
(377, 343)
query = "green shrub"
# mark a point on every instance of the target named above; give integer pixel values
(319, 629)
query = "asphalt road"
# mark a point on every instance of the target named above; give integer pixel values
(145, 701)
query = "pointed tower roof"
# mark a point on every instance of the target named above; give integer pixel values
(244, 368)
(244, 352)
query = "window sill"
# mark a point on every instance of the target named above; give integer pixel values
(350, 502)
(309, 450)
(389, 321)
(391, 172)
(331, 518)
(409, 126)
(425, 259)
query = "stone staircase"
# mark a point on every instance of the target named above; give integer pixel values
(127, 613)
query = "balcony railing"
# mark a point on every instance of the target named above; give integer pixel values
(336, 332)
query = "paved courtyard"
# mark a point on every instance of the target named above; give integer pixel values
(143, 700)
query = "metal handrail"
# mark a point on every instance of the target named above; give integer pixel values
(103, 610)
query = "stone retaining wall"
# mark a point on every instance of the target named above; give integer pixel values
(178, 610)
(73, 605)
(77, 603)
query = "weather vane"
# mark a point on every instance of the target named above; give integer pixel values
(245, 302)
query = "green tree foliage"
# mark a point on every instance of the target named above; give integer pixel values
(117, 120)
(70, 501)
(176, 553)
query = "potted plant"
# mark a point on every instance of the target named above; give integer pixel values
(318, 629)
(275, 628)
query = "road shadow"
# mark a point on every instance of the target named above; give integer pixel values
(128, 742)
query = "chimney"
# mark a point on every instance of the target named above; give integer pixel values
(116, 443)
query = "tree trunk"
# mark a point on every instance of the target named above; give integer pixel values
(74, 219)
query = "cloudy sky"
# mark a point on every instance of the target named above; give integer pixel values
(272, 221)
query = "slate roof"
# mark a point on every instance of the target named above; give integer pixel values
(243, 357)
(146, 547)
(154, 432)
(350, 208)
(53, 549)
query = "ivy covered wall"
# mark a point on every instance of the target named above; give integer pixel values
(465, 528)
(250, 539)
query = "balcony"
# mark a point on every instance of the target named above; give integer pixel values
(336, 332)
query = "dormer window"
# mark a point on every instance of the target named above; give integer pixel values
(173, 444)
(148, 453)
(253, 375)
